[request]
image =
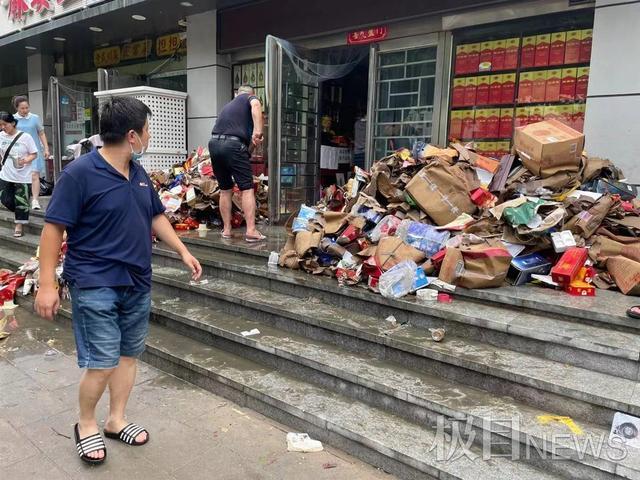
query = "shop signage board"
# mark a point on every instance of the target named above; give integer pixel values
(167, 45)
(135, 50)
(106, 57)
(367, 35)
(22, 14)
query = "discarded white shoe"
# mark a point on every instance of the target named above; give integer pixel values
(301, 442)
(35, 204)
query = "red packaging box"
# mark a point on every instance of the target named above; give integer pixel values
(552, 88)
(536, 114)
(586, 37)
(569, 265)
(521, 117)
(572, 48)
(484, 61)
(506, 123)
(539, 86)
(556, 48)
(508, 92)
(482, 91)
(502, 149)
(468, 120)
(566, 115)
(495, 89)
(543, 44)
(482, 197)
(579, 288)
(582, 82)
(551, 112)
(473, 57)
(457, 92)
(436, 260)
(512, 48)
(455, 125)
(578, 116)
(525, 88)
(568, 84)
(349, 235)
(462, 57)
(470, 91)
(480, 124)
(492, 129)
(528, 52)
(498, 55)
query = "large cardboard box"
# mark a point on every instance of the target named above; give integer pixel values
(549, 147)
(442, 191)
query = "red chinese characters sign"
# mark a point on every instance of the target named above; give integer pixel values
(19, 8)
(367, 35)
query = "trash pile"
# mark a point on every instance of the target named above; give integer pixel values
(190, 194)
(447, 217)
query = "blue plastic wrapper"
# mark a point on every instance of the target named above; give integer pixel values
(426, 238)
(420, 280)
(301, 222)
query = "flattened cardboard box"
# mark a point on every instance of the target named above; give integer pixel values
(549, 147)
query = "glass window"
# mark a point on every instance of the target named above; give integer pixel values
(390, 73)
(421, 54)
(394, 58)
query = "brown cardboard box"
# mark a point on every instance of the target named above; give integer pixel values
(442, 191)
(549, 147)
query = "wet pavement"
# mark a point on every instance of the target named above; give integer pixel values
(194, 434)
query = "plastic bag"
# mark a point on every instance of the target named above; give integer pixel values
(398, 281)
(422, 236)
(386, 228)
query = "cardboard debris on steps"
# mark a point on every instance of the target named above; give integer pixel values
(190, 194)
(547, 214)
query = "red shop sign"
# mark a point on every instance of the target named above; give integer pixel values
(367, 35)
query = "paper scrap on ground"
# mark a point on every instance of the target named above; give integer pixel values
(568, 421)
(301, 442)
(248, 333)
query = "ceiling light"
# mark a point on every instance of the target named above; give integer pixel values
(60, 39)
(29, 47)
(95, 29)
(138, 17)
(186, 4)
(106, 44)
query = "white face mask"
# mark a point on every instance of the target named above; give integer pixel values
(137, 156)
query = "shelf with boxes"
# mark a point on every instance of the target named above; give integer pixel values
(501, 84)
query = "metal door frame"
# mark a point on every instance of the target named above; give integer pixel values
(440, 40)
(273, 90)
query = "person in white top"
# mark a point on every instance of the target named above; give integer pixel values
(17, 152)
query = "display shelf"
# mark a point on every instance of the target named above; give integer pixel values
(483, 107)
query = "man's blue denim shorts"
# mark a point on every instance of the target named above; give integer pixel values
(109, 322)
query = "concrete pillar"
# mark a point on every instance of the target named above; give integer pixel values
(208, 78)
(39, 68)
(612, 125)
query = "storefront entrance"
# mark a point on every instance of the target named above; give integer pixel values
(331, 109)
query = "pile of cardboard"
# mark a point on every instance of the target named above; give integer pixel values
(190, 194)
(548, 214)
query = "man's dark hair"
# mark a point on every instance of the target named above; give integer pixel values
(17, 100)
(120, 115)
(8, 118)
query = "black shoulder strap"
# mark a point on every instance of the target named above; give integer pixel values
(8, 150)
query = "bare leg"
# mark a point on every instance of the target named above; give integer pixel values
(225, 210)
(120, 385)
(35, 185)
(249, 210)
(92, 385)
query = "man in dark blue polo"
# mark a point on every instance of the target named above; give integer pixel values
(109, 209)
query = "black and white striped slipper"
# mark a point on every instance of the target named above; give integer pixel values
(92, 443)
(128, 434)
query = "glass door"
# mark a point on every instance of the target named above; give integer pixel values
(294, 123)
(406, 77)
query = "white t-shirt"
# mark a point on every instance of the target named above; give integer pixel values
(23, 147)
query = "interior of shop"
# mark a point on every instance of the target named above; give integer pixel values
(343, 109)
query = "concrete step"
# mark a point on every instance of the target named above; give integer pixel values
(607, 309)
(548, 385)
(597, 348)
(416, 396)
(377, 436)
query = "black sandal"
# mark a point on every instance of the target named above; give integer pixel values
(128, 435)
(632, 314)
(87, 445)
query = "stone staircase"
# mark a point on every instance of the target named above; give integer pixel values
(327, 362)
